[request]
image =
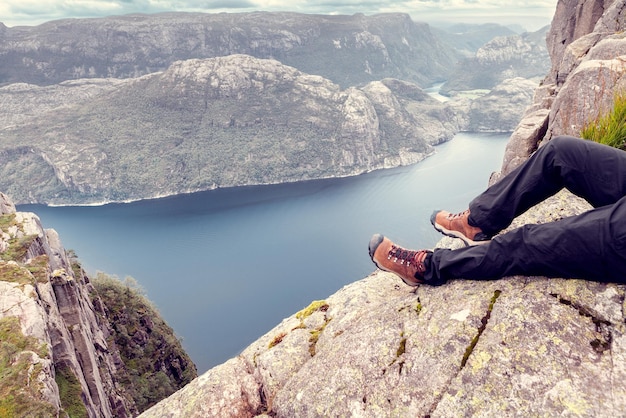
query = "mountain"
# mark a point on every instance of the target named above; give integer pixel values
(360, 48)
(468, 38)
(206, 123)
(519, 346)
(499, 110)
(503, 57)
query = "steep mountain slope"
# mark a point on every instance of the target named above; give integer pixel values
(360, 48)
(58, 340)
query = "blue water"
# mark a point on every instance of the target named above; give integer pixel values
(225, 266)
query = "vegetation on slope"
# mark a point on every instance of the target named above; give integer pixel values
(156, 363)
(609, 128)
(19, 386)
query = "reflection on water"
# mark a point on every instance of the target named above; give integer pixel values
(225, 266)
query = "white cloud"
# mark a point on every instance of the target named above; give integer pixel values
(531, 13)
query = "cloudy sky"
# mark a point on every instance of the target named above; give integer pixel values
(531, 14)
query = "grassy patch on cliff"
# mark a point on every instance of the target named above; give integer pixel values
(12, 272)
(609, 128)
(70, 392)
(156, 363)
(18, 244)
(19, 388)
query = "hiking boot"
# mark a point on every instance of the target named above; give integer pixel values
(457, 225)
(407, 264)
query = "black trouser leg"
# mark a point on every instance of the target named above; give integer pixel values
(595, 172)
(591, 246)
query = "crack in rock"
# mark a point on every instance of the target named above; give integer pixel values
(470, 348)
(603, 326)
(484, 321)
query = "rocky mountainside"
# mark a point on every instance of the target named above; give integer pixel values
(206, 123)
(500, 110)
(468, 38)
(504, 57)
(360, 48)
(58, 340)
(519, 346)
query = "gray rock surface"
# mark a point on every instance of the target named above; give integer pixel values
(573, 19)
(376, 348)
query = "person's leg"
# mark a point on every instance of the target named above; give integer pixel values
(595, 172)
(589, 246)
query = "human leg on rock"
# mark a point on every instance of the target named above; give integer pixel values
(591, 245)
(593, 171)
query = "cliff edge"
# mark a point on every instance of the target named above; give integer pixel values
(58, 340)
(520, 346)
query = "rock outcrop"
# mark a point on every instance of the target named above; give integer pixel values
(519, 346)
(587, 52)
(56, 340)
(52, 306)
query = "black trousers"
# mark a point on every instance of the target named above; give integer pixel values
(590, 246)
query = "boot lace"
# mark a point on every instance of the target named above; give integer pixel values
(408, 256)
(458, 215)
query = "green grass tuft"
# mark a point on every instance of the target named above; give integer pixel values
(609, 128)
(18, 397)
(316, 305)
(70, 392)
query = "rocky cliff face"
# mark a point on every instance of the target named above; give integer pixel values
(587, 51)
(57, 351)
(362, 49)
(520, 346)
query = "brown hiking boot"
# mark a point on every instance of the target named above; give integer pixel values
(407, 264)
(456, 225)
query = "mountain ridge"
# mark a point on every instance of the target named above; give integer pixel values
(362, 48)
(90, 140)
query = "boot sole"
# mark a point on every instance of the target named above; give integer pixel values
(454, 234)
(373, 245)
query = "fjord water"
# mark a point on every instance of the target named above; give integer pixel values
(224, 266)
